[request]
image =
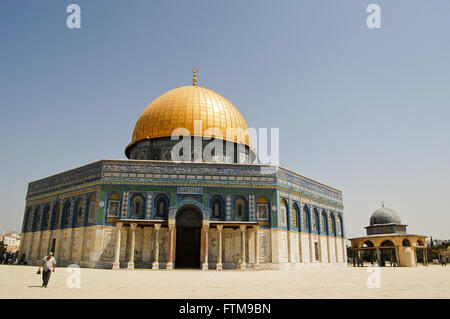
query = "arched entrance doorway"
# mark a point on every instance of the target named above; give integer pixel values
(388, 253)
(369, 253)
(188, 223)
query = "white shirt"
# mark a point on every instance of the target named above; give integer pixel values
(49, 262)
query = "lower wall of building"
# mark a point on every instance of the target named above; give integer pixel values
(94, 247)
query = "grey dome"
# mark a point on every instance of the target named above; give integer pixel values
(384, 215)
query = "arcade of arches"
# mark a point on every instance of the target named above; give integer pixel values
(188, 240)
(394, 250)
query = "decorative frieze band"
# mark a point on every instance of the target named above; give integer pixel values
(125, 205)
(251, 200)
(228, 207)
(149, 205)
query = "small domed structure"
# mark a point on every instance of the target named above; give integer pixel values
(388, 242)
(385, 221)
(384, 215)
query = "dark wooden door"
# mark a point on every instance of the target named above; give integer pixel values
(188, 247)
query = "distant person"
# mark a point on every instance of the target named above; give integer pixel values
(49, 262)
(443, 261)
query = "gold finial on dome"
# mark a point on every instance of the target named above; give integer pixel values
(194, 80)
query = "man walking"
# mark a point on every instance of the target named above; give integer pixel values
(49, 262)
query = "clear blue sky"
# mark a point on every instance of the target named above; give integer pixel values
(363, 110)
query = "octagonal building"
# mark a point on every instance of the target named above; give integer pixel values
(194, 206)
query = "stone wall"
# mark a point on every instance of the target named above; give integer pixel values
(94, 247)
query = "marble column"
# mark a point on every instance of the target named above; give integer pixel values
(378, 257)
(219, 252)
(171, 244)
(358, 258)
(397, 256)
(354, 257)
(205, 247)
(256, 228)
(116, 264)
(243, 264)
(132, 243)
(155, 264)
(328, 248)
(361, 258)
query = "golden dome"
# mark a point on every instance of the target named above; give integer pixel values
(180, 107)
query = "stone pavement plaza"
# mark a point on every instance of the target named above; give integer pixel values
(414, 282)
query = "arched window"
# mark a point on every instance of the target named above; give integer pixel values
(114, 201)
(28, 216)
(315, 220)
(217, 207)
(324, 223)
(262, 208)
(66, 212)
(283, 213)
(56, 215)
(37, 216)
(45, 217)
(162, 206)
(301, 216)
(240, 208)
(387, 243)
(367, 243)
(339, 225)
(406, 243)
(137, 206)
(331, 224)
(294, 214)
(78, 212)
(91, 210)
(305, 218)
